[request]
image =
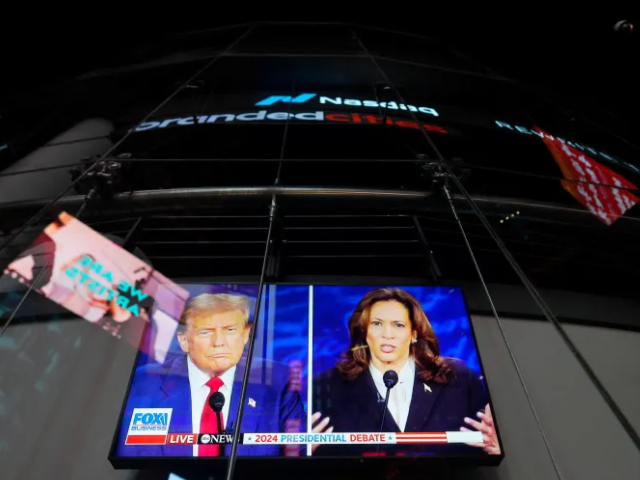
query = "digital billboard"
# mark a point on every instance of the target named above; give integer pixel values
(319, 380)
(339, 371)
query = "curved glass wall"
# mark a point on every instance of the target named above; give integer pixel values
(354, 132)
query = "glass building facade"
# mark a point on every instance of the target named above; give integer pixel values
(342, 144)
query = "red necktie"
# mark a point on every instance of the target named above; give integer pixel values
(208, 422)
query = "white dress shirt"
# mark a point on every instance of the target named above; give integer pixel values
(400, 396)
(199, 393)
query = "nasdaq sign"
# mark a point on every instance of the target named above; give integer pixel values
(265, 116)
(305, 97)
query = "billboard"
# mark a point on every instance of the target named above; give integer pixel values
(317, 380)
(340, 371)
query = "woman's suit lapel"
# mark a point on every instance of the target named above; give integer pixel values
(425, 396)
(370, 404)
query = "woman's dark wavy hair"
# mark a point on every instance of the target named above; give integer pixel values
(426, 352)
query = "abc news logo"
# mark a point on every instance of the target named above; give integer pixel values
(199, 439)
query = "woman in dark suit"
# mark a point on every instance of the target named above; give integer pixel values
(390, 331)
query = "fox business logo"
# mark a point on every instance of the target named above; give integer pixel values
(150, 422)
(149, 426)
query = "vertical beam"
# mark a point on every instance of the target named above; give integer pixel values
(432, 265)
(252, 341)
(129, 241)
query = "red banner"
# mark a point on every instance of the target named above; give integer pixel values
(606, 203)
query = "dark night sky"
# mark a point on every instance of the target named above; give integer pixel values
(575, 54)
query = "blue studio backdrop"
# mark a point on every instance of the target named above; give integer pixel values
(444, 306)
(283, 325)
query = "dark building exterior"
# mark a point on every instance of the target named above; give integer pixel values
(351, 133)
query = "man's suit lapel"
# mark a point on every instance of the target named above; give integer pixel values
(371, 403)
(177, 395)
(424, 397)
(249, 417)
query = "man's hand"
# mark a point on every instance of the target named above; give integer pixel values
(488, 429)
(319, 426)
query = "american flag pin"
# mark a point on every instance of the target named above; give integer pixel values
(252, 402)
(427, 388)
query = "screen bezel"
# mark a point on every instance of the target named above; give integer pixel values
(311, 467)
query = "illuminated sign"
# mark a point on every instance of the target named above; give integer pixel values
(546, 136)
(355, 118)
(585, 179)
(263, 116)
(304, 97)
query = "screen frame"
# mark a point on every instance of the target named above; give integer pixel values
(311, 467)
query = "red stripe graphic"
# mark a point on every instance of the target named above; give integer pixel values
(421, 437)
(145, 440)
(399, 442)
(403, 434)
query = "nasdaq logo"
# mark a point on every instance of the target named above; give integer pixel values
(351, 102)
(303, 97)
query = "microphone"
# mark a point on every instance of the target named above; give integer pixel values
(390, 379)
(216, 402)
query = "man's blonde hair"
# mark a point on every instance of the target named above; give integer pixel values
(215, 302)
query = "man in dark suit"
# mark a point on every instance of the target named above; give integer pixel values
(214, 329)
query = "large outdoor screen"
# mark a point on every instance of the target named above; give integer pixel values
(327, 360)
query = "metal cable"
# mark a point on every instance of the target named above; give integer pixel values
(551, 177)
(256, 315)
(613, 406)
(547, 312)
(502, 333)
(284, 135)
(26, 294)
(265, 261)
(44, 209)
(42, 169)
(445, 165)
(37, 278)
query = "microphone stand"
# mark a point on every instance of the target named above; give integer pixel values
(216, 402)
(384, 414)
(219, 422)
(390, 379)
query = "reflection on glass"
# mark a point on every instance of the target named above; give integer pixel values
(171, 409)
(606, 203)
(91, 276)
